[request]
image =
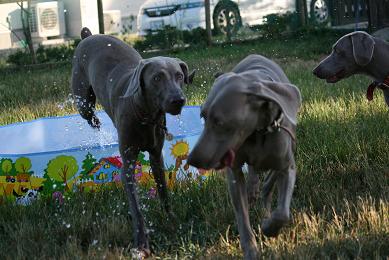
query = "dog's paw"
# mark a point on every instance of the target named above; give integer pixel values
(94, 122)
(271, 226)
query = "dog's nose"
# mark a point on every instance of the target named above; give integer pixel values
(178, 101)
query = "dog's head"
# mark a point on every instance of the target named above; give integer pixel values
(234, 109)
(349, 54)
(161, 80)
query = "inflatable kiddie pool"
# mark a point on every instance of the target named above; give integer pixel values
(64, 154)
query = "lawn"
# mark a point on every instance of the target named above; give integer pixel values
(341, 201)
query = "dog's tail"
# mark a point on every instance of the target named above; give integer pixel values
(85, 32)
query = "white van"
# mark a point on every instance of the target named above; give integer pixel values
(189, 14)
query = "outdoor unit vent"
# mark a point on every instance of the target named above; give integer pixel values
(46, 20)
(112, 22)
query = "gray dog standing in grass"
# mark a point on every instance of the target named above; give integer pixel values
(135, 93)
(250, 117)
(358, 53)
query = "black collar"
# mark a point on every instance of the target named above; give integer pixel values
(276, 126)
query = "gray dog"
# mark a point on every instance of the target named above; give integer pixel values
(358, 53)
(250, 117)
(135, 93)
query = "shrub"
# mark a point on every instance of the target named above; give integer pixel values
(44, 54)
(170, 37)
(277, 24)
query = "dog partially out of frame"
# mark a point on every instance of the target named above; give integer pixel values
(136, 93)
(250, 117)
(358, 53)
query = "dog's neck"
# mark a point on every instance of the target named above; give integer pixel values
(378, 68)
(145, 110)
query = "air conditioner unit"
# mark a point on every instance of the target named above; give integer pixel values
(47, 19)
(112, 22)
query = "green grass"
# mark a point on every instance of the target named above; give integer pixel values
(341, 201)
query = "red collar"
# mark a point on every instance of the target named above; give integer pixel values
(374, 85)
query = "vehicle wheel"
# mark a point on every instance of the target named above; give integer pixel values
(320, 12)
(220, 14)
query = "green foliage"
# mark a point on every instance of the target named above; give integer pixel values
(50, 185)
(62, 168)
(277, 24)
(44, 54)
(87, 164)
(141, 159)
(170, 37)
(23, 165)
(7, 167)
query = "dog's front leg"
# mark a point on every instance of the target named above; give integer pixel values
(156, 162)
(238, 194)
(252, 185)
(129, 157)
(267, 191)
(281, 215)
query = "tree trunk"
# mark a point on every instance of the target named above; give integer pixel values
(228, 28)
(208, 21)
(25, 16)
(302, 11)
(376, 14)
(100, 15)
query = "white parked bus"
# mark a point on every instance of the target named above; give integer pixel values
(189, 14)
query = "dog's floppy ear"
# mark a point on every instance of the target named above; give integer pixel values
(363, 48)
(136, 81)
(286, 96)
(188, 77)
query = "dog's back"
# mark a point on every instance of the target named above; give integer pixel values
(266, 69)
(97, 59)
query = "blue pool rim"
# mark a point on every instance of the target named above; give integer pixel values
(86, 148)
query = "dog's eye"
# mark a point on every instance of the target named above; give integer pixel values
(180, 77)
(157, 78)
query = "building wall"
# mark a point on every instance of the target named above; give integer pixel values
(129, 10)
(10, 25)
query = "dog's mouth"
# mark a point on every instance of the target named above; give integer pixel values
(338, 76)
(227, 160)
(174, 110)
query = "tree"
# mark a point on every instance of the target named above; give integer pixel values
(50, 185)
(26, 18)
(302, 11)
(208, 21)
(87, 164)
(6, 166)
(62, 168)
(100, 15)
(23, 165)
